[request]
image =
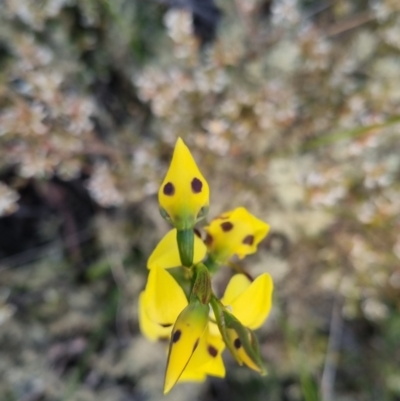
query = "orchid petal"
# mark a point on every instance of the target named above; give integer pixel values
(206, 359)
(252, 305)
(151, 330)
(237, 284)
(164, 298)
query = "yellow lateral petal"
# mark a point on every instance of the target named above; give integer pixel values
(253, 305)
(185, 338)
(237, 284)
(166, 253)
(184, 190)
(149, 329)
(164, 298)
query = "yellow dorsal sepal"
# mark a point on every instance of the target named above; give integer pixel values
(184, 193)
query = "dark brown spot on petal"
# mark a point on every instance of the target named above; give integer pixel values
(227, 226)
(169, 189)
(176, 336)
(197, 232)
(248, 240)
(165, 324)
(212, 351)
(197, 185)
(209, 239)
(196, 344)
(237, 343)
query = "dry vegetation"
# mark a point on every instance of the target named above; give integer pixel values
(292, 111)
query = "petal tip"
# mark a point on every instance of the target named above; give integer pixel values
(168, 386)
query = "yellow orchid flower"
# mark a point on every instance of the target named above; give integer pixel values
(195, 350)
(161, 305)
(197, 335)
(236, 232)
(184, 199)
(184, 193)
(166, 254)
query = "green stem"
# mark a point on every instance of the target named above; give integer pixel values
(185, 239)
(218, 308)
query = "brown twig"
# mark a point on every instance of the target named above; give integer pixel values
(351, 23)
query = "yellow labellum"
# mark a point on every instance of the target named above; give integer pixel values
(206, 359)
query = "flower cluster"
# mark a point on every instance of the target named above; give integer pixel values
(198, 324)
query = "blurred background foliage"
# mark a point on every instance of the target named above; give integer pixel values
(291, 108)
